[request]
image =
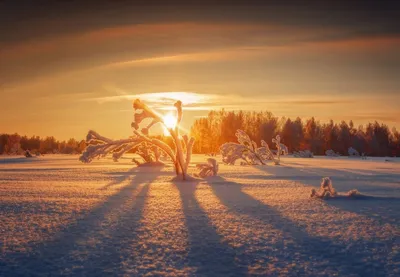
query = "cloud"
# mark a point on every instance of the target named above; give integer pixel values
(178, 42)
(316, 102)
(193, 101)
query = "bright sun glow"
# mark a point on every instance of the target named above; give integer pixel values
(170, 122)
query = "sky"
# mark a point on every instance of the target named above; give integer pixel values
(68, 67)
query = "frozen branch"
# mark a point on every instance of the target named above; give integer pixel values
(208, 169)
(148, 148)
(247, 151)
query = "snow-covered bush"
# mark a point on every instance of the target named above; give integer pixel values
(149, 153)
(353, 152)
(363, 156)
(278, 144)
(148, 148)
(284, 150)
(327, 191)
(208, 169)
(352, 193)
(331, 153)
(303, 154)
(247, 150)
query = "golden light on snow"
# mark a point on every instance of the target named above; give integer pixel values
(260, 219)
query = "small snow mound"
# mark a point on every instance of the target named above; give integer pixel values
(327, 191)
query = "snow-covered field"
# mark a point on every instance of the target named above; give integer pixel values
(61, 217)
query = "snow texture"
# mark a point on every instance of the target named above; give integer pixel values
(59, 217)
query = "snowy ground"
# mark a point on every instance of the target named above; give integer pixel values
(61, 217)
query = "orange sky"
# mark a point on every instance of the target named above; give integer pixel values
(65, 82)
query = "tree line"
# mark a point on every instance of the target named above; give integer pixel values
(218, 127)
(16, 144)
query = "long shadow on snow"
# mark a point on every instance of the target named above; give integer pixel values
(286, 170)
(207, 253)
(323, 250)
(20, 160)
(384, 209)
(55, 169)
(121, 177)
(362, 183)
(71, 251)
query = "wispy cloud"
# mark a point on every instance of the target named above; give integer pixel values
(185, 42)
(159, 99)
(193, 101)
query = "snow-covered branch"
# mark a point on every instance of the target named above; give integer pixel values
(99, 146)
(148, 148)
(208, 169)
(327, 191)
(248, 151)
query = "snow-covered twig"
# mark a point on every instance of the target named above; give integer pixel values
(99, 146)
(248, 151)
(277, 141)
(208, 169)
(327, 191)
(303, 154)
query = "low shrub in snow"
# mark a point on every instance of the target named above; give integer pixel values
(248, 152)
(303, 154)
(148, 148)
(327, 191)
(208, 169)
(353, 152)
(331, 153)
(284, 149)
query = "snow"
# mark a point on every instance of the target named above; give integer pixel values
(61, 217)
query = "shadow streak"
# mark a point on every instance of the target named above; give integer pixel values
(20, 160)
(207, 253)
(121, 177)
(92, 245)
(372, 187)
(329, 254)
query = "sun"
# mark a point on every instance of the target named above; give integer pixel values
(170, 122)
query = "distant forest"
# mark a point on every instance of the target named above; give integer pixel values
(16, 144)
(218, 127)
